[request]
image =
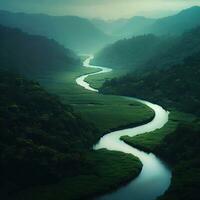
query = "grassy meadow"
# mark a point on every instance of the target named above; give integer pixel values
(110, 170)
(106, 112)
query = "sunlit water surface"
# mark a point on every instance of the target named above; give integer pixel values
(155, 176)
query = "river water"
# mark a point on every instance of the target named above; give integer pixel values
(155, 176)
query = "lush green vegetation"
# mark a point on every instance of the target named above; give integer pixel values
(178, 142)
(177, 86)
(108, 171)
(96, 81)
(29, 55)
(182, 149)
(41, 139)
(150, 141)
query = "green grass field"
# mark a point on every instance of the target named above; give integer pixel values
(106, 112)
(96, 81)
(111, 170)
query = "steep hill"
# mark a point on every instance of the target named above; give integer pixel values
(132, 53)
(73, 32)
(149, 51)
(28, 54)
(177, 86)
(41, 139)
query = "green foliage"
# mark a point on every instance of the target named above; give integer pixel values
(131, 53)
(29, 55)
(150, 52)
(182, 148)
(178, 142)
(177, 86)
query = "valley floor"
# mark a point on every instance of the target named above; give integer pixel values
(107, 113)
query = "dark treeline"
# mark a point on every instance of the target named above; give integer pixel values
(41, 139)
(28, 54)
(182, 150)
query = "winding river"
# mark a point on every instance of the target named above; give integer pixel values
(155, 176)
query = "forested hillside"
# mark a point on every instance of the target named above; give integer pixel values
(149, 52)
(132, 53)
(28, 54)
(177, 86)
(41, 139)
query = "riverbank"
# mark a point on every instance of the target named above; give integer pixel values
(175, 143)
(105, 112)
(110, 169)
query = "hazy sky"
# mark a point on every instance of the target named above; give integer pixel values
(109, 9)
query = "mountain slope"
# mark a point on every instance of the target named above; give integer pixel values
(172, 25)
(132, 53)
(177, 86)
(177, 24)
(135, 26)
(28, 54)
(74, 32)
(149, 51)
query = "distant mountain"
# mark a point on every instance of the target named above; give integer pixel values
(172, 25)
(73, 32)
(177, 24)
(28, 54)
(110, 27)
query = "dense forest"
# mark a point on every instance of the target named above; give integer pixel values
(177, 86)
(28, 54)
(132, 53)
(41, 139)
(182, 148)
